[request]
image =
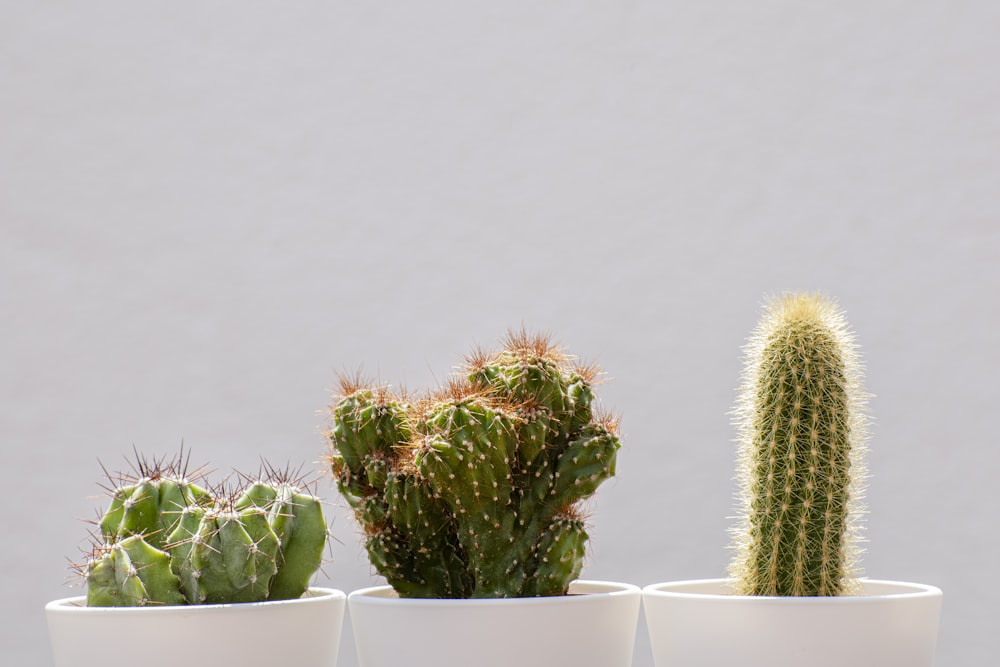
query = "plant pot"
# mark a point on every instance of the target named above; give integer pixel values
(304, 632)
(702, 623)
(593, 626)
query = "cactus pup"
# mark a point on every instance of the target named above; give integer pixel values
(802, 431)
(473, 491)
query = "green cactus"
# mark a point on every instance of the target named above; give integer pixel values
(131, 573)
(296, 518)
(802, 428)
(472, 491)
(149, 501)
(225, 554)
(201, 547)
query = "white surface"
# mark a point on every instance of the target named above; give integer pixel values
(207, 210)
(303, 632)
(700, 623)
(593, 626)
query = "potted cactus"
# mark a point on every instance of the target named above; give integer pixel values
(469, 502)
(221, 568)
(794, 595)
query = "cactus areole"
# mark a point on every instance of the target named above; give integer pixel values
(473, 491)
(802, 430)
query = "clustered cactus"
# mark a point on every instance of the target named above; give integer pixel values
(473, 491)
(166, 540)
(802, 430)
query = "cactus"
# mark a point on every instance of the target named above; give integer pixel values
(296, 518)
(131, 573)
(802, 431)
(166, 540)
(473, 491)
(223, 554)
(149, 501)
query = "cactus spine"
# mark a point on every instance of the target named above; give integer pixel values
(166, 540)
(802, 431)
(473, 491)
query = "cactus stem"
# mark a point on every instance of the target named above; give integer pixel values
(802, 430)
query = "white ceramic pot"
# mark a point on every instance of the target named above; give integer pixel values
(304, 632)
(887, 624)
(593, 626)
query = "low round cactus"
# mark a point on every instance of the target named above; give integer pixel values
(473, 491)
(168, 540)
(802, 432)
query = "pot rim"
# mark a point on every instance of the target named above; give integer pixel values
(718, 589)
(77, 604)
(582, 591)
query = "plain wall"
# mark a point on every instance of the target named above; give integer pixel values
(209, 209)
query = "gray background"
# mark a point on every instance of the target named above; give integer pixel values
(209, 210)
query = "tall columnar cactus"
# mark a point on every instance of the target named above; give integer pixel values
(166, 540)
(802, 431)
(473, 491)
